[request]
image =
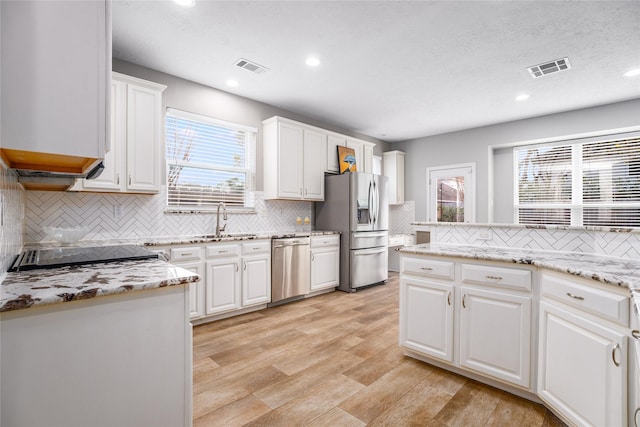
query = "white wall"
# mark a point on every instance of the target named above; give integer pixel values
(472, 145)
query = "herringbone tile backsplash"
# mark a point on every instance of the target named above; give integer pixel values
(116, 216)
(618, 244)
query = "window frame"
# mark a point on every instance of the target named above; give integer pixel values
(248, 169)
(576, 206)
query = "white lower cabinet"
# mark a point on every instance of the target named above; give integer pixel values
(484, 328)
(495, 334)
(233, 276)
(223, 285)
(426, 317)
(325, 262)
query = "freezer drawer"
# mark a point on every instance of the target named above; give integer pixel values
(368, 266)
(369, 239)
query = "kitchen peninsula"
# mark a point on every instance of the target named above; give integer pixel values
(519, 319)
(97, 345)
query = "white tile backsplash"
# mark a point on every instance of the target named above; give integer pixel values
(115, 216)
(401, 217)
(12, 208)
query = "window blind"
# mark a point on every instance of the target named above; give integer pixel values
(208, 161)
(593, 183)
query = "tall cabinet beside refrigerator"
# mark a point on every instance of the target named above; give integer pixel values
(356, 204)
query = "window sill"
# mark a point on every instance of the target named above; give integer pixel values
(176, 210)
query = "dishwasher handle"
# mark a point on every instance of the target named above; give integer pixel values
(285, 243)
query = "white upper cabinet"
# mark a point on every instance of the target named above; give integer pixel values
(56, 62)
(393, 168)
(333, 142)
(134, 163)
(293, 160)
(362, 149)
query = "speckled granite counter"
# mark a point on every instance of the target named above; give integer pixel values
(51, 286)
(181, 240)
(613, 271)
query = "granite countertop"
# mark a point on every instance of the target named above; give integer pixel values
(181, 240)
(613, 271)
(58, 285)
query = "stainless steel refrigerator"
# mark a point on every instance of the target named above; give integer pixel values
(356, 204)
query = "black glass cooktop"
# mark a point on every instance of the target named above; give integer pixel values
(32, 259)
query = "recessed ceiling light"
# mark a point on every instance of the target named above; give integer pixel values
(312, 62)
(185, 3)
(632, 73)
(232, 83)
(522, 97)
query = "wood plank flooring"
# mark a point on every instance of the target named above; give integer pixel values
(334, 360)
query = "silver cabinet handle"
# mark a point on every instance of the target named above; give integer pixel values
(426, 268)
(463, 304)
(222, 252)
(635, 417)
(613, 354)
(449, 297)
(636, 334)
(493, 277)
(313, 257)
(237, 268)
(117, 179)
(129, 179)
(245, 266)
(578, 297)
(185, 254)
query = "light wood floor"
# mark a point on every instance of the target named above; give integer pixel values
(334, 360)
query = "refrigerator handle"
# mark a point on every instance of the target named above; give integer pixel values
(370, 202)
(374, 208)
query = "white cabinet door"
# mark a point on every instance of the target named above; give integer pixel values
(222, 285)
(315, 144)
(196, 289)
(325, 269)
(358, 147)
(256, 280)
(290, 161)
(426, 317)
(144, 130)
(367, 158)
(393, 168)
(582, 368)
(114, 159)
(495, 334)
(333, 141)
(56, 57)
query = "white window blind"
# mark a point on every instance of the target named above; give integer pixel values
(593, 183)
(208, 161)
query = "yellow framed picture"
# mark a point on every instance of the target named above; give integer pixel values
(346, 159)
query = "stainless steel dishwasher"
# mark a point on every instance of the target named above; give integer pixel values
(290, 268)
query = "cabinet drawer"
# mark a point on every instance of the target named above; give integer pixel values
(608, 305)
(322, 241)
(428, 267)
(220, 251)
(511, 278)
(256, 247)
(188, 253)
(396, 240)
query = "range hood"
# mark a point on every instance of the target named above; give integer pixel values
(50, 172)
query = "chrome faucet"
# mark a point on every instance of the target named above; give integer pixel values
(219, 229)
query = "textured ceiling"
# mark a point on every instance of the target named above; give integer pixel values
(394, 70)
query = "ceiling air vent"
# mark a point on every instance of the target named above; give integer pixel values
(550, 67)
(250, 66)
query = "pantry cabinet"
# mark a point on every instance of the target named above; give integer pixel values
(134, 163)
(293, 166)
(325, 262)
